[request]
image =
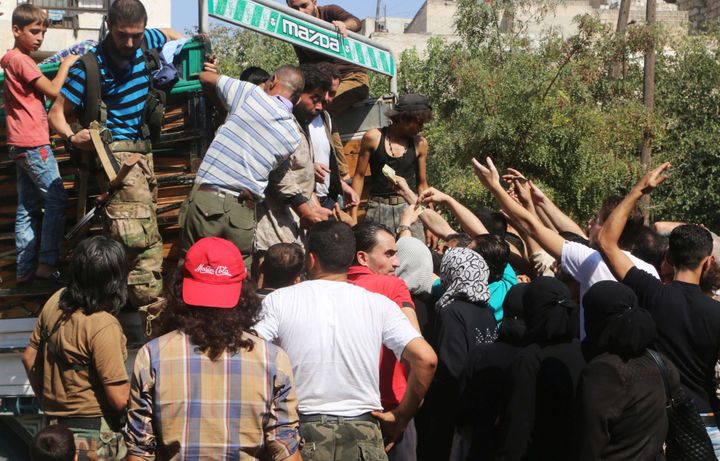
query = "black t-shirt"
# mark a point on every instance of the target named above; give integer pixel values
(688, 323)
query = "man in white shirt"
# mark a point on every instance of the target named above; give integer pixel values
(333, 333)
(581, 262)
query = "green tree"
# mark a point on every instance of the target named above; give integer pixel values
(545, 107)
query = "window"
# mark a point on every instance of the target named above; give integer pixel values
(64, 13)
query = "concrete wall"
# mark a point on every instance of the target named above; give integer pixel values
(56, 39)
(700, 12)
(435, 17)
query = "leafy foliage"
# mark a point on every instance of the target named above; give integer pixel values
(549, 108)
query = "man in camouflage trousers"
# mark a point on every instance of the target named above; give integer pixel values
(125, 79)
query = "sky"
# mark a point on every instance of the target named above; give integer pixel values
(184, 18)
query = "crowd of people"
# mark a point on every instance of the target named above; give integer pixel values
(290, 330)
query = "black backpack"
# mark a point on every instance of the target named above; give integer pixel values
(95, 109)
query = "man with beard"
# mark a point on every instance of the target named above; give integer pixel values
(125, 82)
(290, 204)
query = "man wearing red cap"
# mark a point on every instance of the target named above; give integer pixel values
(211, 389)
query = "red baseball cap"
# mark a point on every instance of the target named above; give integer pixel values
(213, 274)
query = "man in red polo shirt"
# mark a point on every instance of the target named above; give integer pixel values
(374, 269)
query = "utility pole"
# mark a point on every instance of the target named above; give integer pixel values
(648, 98)
(203, 27)
(623, 16)
(377, 15)
(649, 83)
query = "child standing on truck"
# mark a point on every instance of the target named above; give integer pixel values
(39, 185)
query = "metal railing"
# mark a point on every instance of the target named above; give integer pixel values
(64, 13)
(80, 6)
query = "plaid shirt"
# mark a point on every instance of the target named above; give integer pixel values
(187, 407)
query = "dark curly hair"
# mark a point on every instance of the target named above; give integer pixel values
(212, 330)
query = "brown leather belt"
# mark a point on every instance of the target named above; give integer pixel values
(242, 196)
(389, 200)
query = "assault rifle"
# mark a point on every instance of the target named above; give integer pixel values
(116, 184)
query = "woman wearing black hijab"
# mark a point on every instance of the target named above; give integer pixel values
(621, 397)
(483, 381)
(537, 421)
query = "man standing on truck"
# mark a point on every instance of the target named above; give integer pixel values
(354, 81)
(122, 105)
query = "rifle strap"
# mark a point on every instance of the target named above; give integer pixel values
(54, 349)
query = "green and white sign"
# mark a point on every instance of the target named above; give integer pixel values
(276, 20)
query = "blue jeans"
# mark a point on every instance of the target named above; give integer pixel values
(39, 186)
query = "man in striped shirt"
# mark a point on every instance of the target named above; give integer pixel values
(124, 87)
(258, 135)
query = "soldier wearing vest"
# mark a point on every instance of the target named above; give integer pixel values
(120, 105)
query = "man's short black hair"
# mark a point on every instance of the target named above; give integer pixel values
(255, 75)
(127, 12)
(494, 221)
(283, 263)
(366, 235)
(462, 239)
(495, 251)
(54, 443)
(634, 224)
(315, 78)
(689, 245)
(651, 247)
(333, 244)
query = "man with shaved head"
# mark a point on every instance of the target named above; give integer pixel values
(258, 135)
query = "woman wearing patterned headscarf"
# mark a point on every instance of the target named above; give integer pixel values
(621, 396)
(537, 421)
(483, 383)
(463, 321)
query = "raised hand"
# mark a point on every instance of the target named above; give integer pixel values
(433, 195)
(488, 175)
(653, 178)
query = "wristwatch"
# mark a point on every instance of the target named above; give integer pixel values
(400, 228)
(68, 144)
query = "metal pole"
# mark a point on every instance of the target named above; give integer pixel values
(203, 26)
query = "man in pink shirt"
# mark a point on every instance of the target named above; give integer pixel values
(39, 184)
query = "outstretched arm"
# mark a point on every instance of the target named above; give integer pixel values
(618, 262)
(431, 219)
(559, 220)
(51, 88)
(550, 240)
(467, 219)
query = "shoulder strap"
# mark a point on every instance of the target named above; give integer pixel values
(663, 372)
(55, 350)
(93, 106)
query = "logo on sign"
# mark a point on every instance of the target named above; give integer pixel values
(220, 271)
(316, 38)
